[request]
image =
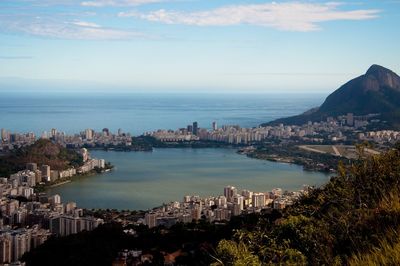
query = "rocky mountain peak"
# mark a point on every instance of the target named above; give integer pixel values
(380, 76)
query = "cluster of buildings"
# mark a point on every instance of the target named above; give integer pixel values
(9, 141)
(90, 138)
(332, 129)
(28, 218)
(27, 224)
(87, 138)
(234, 134)
(15, 242)
(190, 133)
(221, 208)
(89, 164)
(382, 136)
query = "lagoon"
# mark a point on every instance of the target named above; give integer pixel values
(143, 180)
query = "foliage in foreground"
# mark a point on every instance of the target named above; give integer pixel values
(350, 220)
(385, 253)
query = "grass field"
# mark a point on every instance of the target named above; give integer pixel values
(347, 151)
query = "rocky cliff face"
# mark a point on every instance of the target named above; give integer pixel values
(379, 77)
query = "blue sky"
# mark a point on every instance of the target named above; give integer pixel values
(194, 45)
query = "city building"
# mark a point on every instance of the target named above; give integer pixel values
(150, 219)
(195, 128)
(214, 126)
(229, 193)
(46, 174)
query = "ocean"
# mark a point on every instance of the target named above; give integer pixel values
(137, 113)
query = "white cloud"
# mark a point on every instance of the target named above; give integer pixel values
(75, 30)
(102, 3)
(61, 24)
(86, 24)
(290, 16)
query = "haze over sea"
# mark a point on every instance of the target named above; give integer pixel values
(137, 113)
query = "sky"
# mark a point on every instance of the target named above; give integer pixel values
(194, 45)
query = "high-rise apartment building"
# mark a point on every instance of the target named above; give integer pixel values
(46, 174)
(258, 200)
(350, 119)
(150, 219)
(89, 134)
(195, 128)
(5, 249)
(53, 133)
(5, 135)
(229, 192)
(214, 126)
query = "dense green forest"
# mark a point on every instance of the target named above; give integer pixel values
(353, 220)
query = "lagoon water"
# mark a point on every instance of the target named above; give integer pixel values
(142, 180)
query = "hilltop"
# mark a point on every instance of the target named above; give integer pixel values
(43, 151)
(375, 92)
